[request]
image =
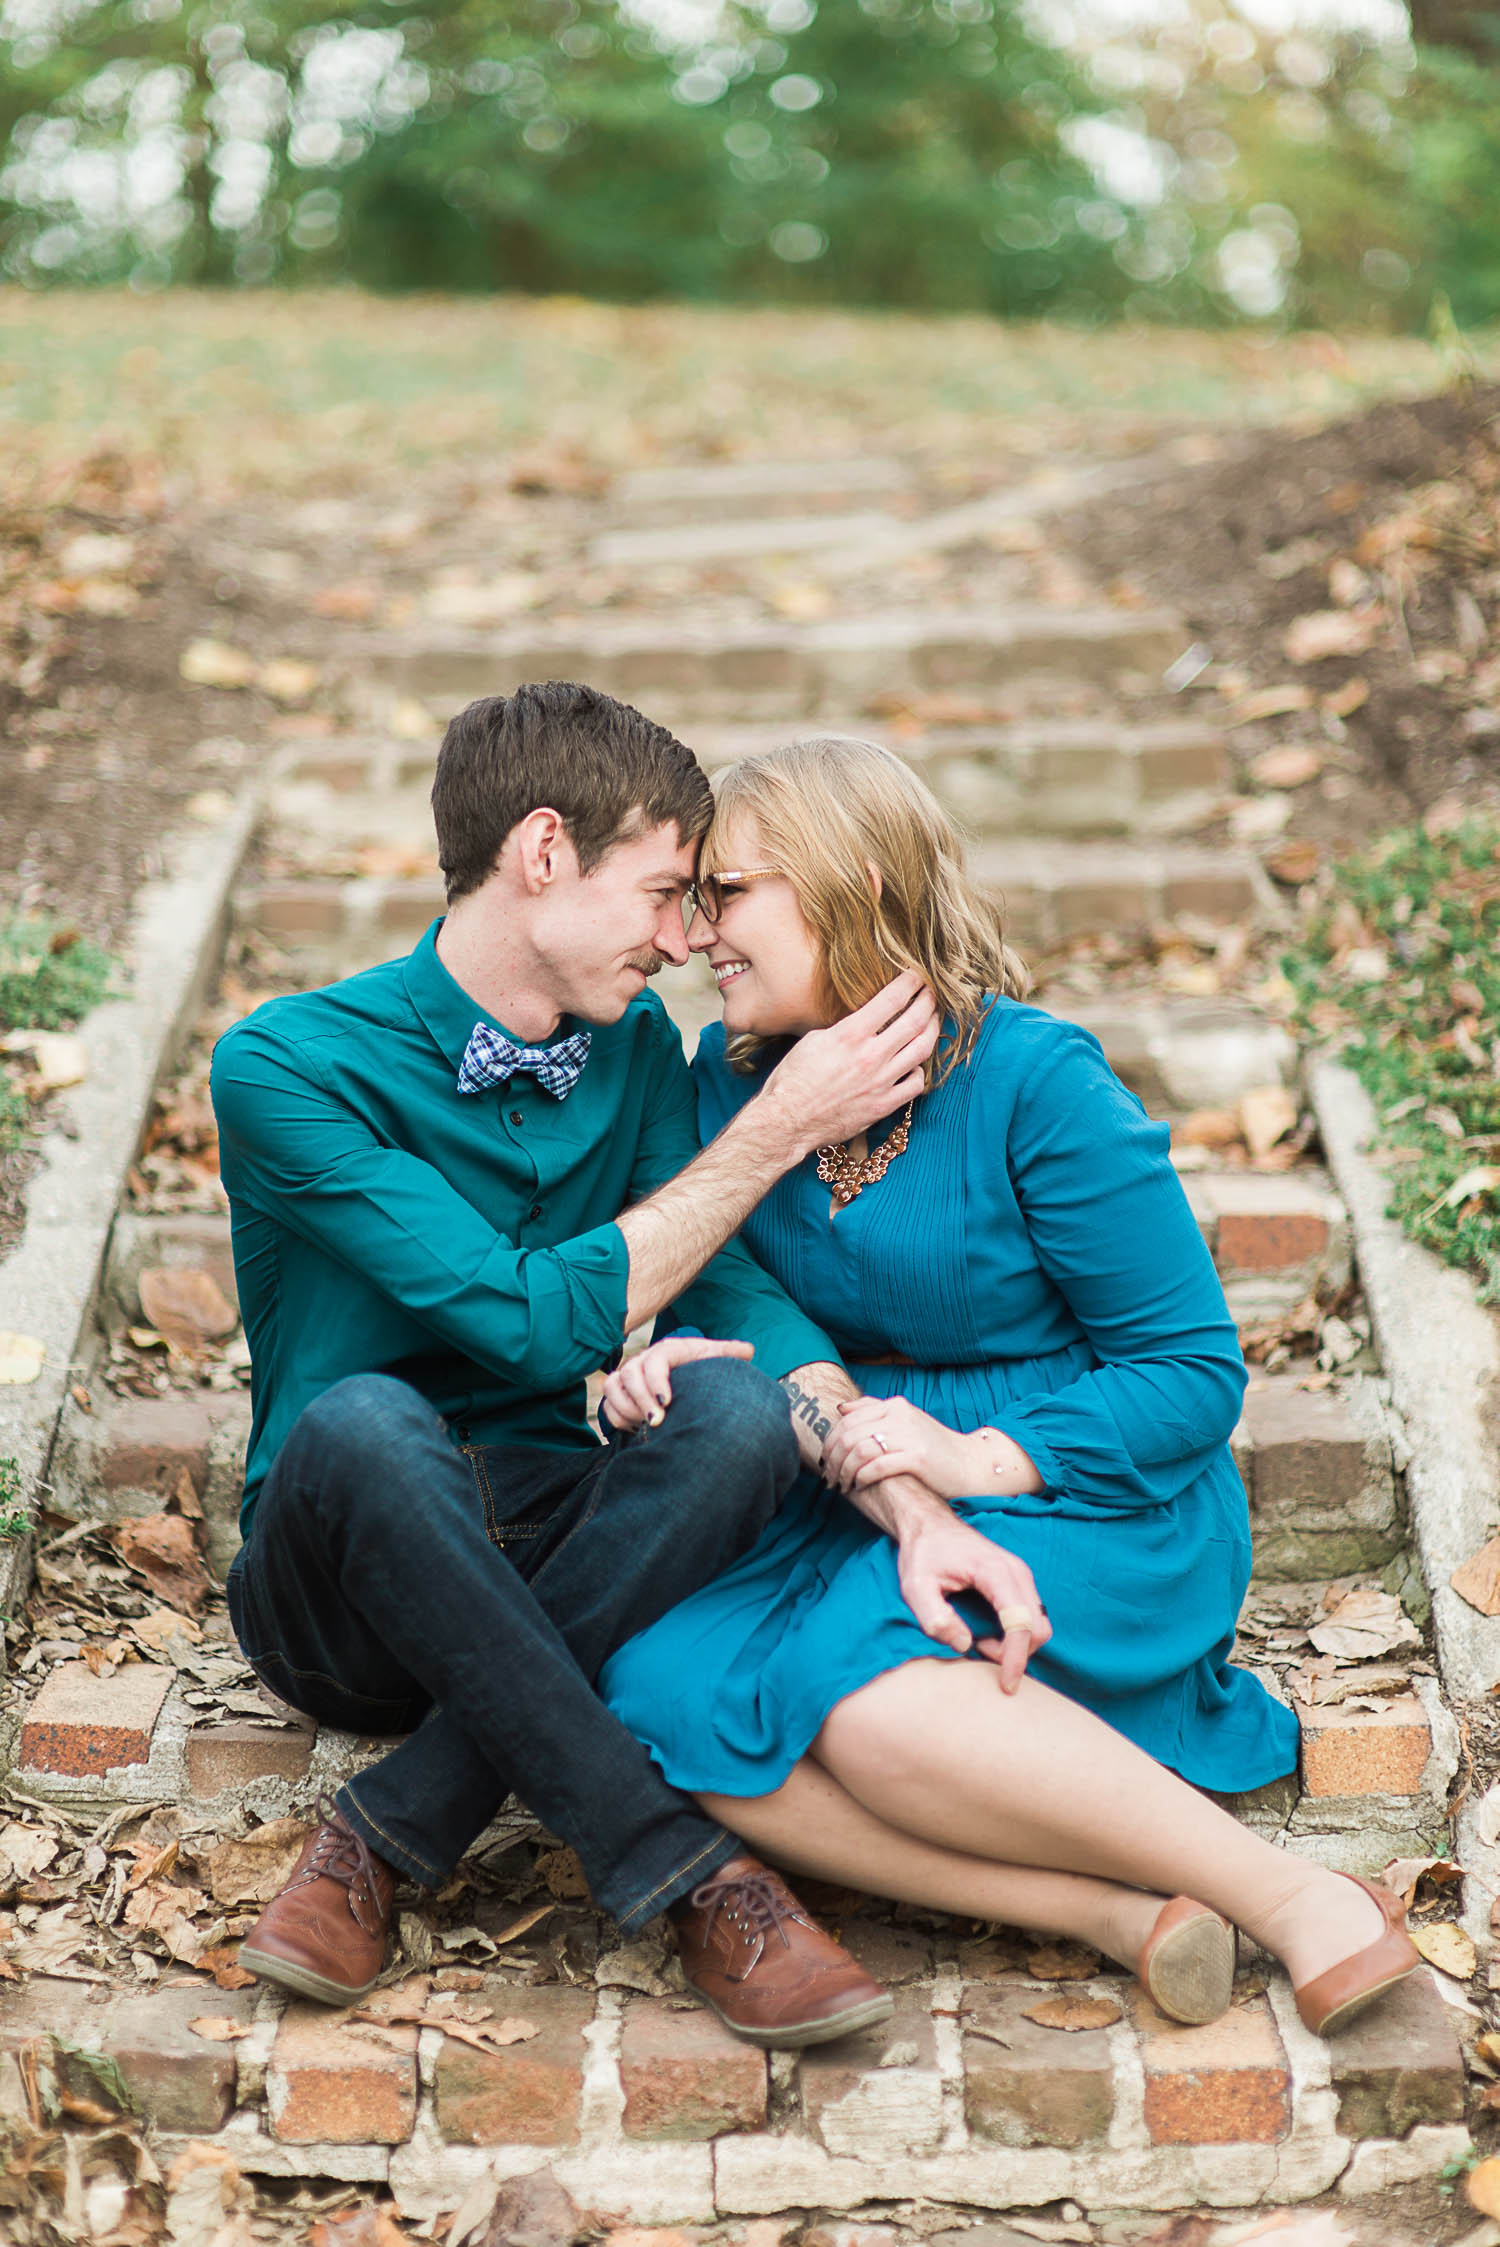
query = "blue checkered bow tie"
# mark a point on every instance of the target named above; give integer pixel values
(493, 1058)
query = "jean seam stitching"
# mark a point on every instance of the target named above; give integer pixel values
(376, 1827)
(582, 1523)
(685, 1867)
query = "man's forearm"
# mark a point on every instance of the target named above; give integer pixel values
(673, 1234)
(815, 1393)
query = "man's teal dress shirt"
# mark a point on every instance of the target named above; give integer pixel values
(384, 1222)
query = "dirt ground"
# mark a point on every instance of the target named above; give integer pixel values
(1388, 519)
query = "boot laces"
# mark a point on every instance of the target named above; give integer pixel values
(343, 1855)
(756, 1901)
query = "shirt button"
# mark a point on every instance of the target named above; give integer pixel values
(516, 1116)
(535, 1210)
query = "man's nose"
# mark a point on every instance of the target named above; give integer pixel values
(671, 937)
(701, 932)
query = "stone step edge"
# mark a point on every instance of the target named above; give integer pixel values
(1440, 1349)
(1250, 2107)
(50, 1278)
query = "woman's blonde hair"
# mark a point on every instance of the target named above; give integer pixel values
(829, 809)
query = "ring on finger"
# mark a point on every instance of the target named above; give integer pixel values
(878, 1439)
(1016, 1618)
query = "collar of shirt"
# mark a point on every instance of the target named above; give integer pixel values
(448, 1012)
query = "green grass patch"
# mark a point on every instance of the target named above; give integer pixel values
(49, 978)
(13, 1521)
(49, 975)
(1401, 967)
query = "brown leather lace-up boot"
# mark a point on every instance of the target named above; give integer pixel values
(749, 1950)
(324, 1935)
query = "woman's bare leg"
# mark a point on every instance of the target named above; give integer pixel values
(811, 1824)
(938, 1750)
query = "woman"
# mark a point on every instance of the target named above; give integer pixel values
(1022, 1295)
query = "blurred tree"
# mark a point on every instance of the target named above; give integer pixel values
(1472, 28)
(891, 151)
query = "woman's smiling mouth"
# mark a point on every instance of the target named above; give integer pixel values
(725, 971)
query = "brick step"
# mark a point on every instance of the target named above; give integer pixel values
(1321, 1469)
(681, 673)
(1055, 891)
(737, 538)
(726, 490)
(1057, 776)
(1179, 1054)
(1275, 1236)
(655, 2111)
(1064, 777)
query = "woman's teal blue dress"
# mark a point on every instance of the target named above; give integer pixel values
(1034, 1255)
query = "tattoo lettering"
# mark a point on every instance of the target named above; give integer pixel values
(807, 1408)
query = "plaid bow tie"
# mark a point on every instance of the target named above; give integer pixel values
(492, 1058)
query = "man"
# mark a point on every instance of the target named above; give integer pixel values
(457, 1182)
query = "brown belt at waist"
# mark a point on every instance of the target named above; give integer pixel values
(888, 1357)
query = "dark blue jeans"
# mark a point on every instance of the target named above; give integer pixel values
(393, 1582)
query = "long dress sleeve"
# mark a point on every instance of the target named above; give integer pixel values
(1111, 1228)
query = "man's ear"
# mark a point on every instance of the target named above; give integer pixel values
(541, 841)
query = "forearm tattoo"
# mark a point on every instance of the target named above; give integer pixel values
(807, 1408)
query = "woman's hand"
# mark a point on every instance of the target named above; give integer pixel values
(637, 1393)
(878, 1437)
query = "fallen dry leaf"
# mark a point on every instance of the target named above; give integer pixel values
(286, 679)
(1403, 1875)
(1365, 1623)
(1486, 1817)
(517, 1928)
(1477, 1579)
(485, 2036)
(1328, 632)
(223, 1963)
(1062, 1962)
(58, 1058)
(1207, 1127)
(1446, 1947)
(1268, 702)
(22, 1357)
(188, 1306)
(1294, 861)
(252, 1871)
(1073, 2012)
(1488, 2048)
(1345, 700)
(162, 1625)
(1267, 1113)
(563, 1873)
(219, 2028)
(1288, 765)
(160, 1547)
(212, 663)
(369, 2226)
(165, 1911)
(1482, 2187)
(1483, 1178)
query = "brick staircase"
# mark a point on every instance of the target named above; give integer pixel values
(1046, 730)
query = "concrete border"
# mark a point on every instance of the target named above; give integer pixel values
(49, 1281)
(1440, 1349)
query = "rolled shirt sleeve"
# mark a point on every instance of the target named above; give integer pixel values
(1111, 1227)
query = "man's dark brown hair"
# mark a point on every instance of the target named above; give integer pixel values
(608, 772)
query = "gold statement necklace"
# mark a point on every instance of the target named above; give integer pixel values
(847, 1176)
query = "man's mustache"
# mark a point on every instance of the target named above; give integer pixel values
(649, 963)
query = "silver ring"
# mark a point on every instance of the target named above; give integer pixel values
(877, 1437)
